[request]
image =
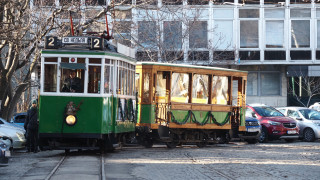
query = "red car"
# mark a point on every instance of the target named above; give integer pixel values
(274, 124)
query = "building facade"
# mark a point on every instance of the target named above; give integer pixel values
(268, 38)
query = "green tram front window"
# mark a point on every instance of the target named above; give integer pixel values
(180, 87)
(50, 77)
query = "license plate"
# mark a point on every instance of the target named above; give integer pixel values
(292, 132)
(253, 129)
(7, 153)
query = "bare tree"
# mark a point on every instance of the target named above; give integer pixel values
(302, 87)
(23, 27)
(171, 32)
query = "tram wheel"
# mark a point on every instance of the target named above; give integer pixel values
(174, 141)
(148, 143)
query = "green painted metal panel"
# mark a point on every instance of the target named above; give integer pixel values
(147, 113)
(201, 116)
(220, 116)
(89, 116)
(119, 125)
(181, 116)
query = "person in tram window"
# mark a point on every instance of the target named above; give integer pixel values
(72, 83)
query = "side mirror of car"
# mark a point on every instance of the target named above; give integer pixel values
(254, 115)
(4, 137)
(299, 118)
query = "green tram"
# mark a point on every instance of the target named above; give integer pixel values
(95, 110)
(184, 104)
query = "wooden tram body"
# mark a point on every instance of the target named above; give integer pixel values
(180, 104)
(101, 113)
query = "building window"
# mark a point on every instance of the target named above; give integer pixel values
(172, 32)
(300, 55)
(147, 38)
(252, 84)
(44, 3)
(275, 55)
(95, 2)
(198, 55)
(249, 55)
(274, 34)
(249, 34)
(198, 34)
(198, 2)
(223, 34)
(172, 56)
(172, 2)
(300, 1)
(270, 83)
(300, 33)
(69, 2)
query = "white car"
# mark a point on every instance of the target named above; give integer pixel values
(308, 121)
(315, 106)
(17, 134)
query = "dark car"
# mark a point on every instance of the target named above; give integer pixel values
(253, 130)
(5, 152)
(19, 118)
(274, 124)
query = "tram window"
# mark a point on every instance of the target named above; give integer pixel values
(180, 87)
(94, 79)
(72, 80)
(95, 60)
(65, 60)
(220, 90)
(200, 90)
(137, 84)
(50, 77)
(51, 60)
(161, 87)
(146, 92)
(107, 80)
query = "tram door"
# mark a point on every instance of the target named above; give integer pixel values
(162, 83)
(238, 101)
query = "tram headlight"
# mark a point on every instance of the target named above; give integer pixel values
(71, 120)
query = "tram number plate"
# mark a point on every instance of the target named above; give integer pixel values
(292, 132)
(75, 40)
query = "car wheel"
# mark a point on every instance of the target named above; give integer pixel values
(263, 135)
(308, 135)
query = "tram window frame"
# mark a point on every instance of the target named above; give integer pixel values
(223, 93)
(181, 97)
(94, 83)
(108, 76)
(50, 81)
(146, 81)
(197, 96)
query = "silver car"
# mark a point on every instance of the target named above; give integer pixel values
(308, 121)
(16, 134)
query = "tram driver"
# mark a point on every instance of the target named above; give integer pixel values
(72, 83)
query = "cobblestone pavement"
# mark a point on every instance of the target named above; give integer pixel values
(275, 160)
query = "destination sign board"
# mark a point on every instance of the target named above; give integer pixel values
(75, 40)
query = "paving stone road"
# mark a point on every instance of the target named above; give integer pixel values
(275, 160)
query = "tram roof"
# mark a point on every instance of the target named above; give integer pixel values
(189, 66)
(86, 52)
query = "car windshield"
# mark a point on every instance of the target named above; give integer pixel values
(310, 114)
(267, 111)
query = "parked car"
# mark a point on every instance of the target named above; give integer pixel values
(274, 125)
(308, 121)
(19, 118)
(253, 130)
(315, 106)
(5, 152)
(15, 132)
